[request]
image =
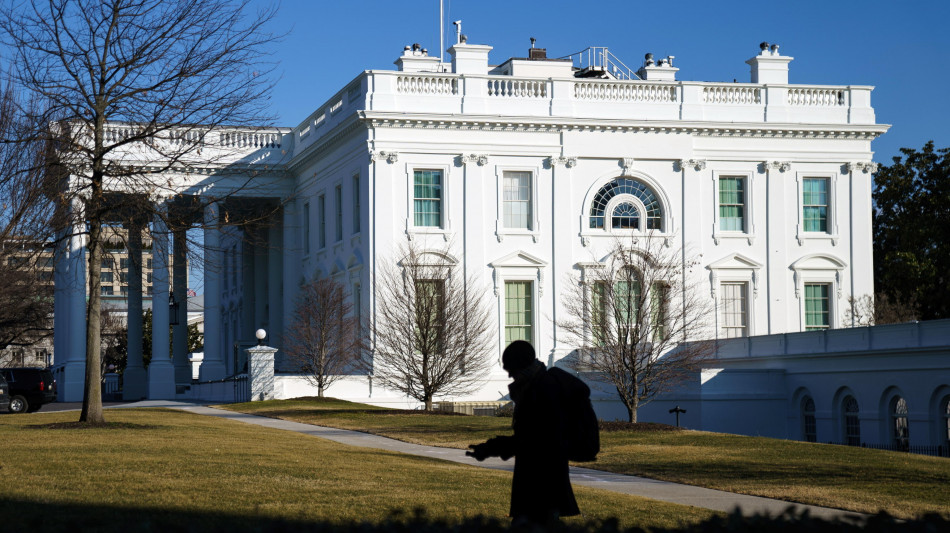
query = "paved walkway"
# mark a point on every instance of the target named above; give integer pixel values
(716, 500)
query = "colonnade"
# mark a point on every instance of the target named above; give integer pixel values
(169, 371)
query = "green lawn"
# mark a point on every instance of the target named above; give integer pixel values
(856, 479)
(164, 463)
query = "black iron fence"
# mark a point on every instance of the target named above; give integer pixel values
(932, 450)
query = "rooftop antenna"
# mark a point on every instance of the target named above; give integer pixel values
(441, 30)
(458, 31)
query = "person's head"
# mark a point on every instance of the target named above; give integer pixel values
(517, 356)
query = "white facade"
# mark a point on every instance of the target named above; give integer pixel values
(797, 235)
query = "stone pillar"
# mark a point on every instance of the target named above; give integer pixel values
(180, 292)
(212, 366)
(134, 383)
(290, 280)
(74, 370)
(275, 284)
(161, 372)
(260, 366)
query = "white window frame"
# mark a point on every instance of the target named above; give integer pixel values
(819, 268)
(832, 234)
(748, 232)
(518, 266)
(446, 227)
(535, 221)
(736, 268)
(666, 221)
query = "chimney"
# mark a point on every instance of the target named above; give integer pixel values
(537, 53)
(415, 58)
(769, 67)
(469, 58)
(661, 70)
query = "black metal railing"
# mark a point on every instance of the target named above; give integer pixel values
(932, 450)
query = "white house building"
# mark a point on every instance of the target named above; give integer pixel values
(526, 171)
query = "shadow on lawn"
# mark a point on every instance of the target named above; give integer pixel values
(23, 515)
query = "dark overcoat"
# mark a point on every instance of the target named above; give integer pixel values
(541, 484)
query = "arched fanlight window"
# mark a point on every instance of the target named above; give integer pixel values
(852, 425)
(624, 212)
(899, 428)
(809, 431)
(625, 216)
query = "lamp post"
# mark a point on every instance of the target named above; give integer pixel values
(172, 310)
(261, 335)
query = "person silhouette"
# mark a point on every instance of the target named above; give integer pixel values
(541, 486)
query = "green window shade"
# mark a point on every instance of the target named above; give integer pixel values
(427, 198)
(519, 317)
(816, 306)
(659, 299)
(815, 204)
(732, 204)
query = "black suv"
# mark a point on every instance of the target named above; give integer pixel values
(4, 392)
(29, 388)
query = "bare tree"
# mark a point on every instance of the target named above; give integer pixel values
(26, 303)
(432, 327)
(324, 337)
(638, 321)
(135, 89)
(881, 309)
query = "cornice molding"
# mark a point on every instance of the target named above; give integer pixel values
(557, 124)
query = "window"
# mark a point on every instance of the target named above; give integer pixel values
(519, 318)
(817, 314)
(626, 189)
(815, 204)
(734, 305)
(123, 277)
(106, 263)
(945, 411)
(625, 216)
(106, 290)
(852, 425)
(124, 263)
(338, 201)
(124, 290)
(148, 263)
(517, 200)
(809, 431)
(322, 217)
(358, 309)
(731, 203)
(356, 204)
(427, 198)
(430, 296)
(898, 416)
(106, 277)
(306, 228)
(148, 277)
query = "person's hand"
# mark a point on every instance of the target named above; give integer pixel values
(479, 451)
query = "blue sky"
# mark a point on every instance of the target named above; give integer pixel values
(901, 48)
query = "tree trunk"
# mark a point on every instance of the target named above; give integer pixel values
(92, 390)
(428, 402)
(320, 391)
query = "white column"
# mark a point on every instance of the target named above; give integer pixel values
(180, 291)
(212, 366)
(275, 290)
(161, 372)
(290, 249)
(74, 277)
(134, 383)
